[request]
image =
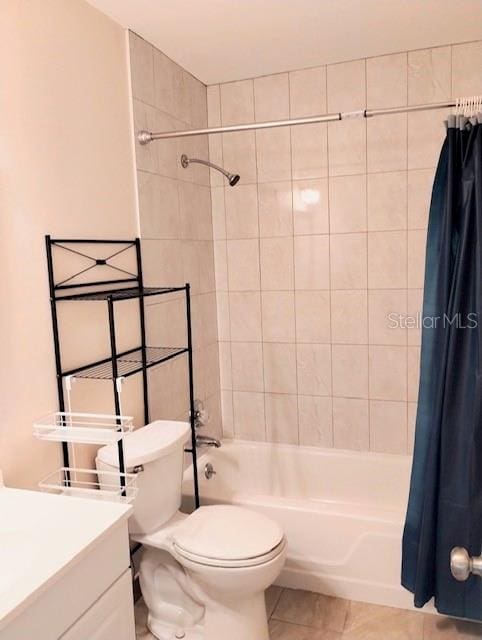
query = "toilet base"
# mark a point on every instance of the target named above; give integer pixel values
(165, 631)
(239, 619)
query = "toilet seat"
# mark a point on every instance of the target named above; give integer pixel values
(227, 564)
(227, 536)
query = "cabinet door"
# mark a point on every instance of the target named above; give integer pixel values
(110, 618)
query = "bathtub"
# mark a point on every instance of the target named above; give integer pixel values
(342, 512)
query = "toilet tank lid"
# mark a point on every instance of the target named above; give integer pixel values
(145, 444)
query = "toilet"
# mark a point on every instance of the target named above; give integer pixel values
(202, 575)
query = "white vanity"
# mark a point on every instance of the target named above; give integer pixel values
(64, 568)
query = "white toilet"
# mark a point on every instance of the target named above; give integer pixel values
(203, 575)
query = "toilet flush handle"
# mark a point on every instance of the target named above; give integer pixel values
(138, 468)
(462, 565)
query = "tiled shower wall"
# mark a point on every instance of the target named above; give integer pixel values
(321, 240)
(176, 230)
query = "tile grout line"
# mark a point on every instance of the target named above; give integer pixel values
(259, 266)
(330, 290)
(293, 248)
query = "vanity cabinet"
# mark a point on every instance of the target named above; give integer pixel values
(64, 568)
(111, 617)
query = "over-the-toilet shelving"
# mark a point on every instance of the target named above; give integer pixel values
(98, 257)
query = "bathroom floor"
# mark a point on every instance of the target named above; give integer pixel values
(302, 615)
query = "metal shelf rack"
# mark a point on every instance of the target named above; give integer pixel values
(117, 365)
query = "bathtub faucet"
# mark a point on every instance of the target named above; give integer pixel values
(207, 441)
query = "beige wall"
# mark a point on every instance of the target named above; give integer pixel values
(321, 239)
(176, 229)
(66, 169)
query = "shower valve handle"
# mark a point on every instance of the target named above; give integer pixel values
(462, 565)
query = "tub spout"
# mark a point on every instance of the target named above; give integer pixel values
(207, 441)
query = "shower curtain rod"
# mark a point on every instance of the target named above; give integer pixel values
(144, 137)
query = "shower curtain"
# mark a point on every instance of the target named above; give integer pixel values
(445, 503)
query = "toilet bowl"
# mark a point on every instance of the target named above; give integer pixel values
(202, 575)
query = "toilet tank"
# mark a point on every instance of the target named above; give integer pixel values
(156, 451)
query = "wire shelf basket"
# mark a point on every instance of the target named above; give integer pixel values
(88, 483)
(82, 428)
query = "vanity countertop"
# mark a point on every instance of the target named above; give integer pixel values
(41, 537)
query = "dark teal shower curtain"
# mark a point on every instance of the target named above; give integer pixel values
(445, 503)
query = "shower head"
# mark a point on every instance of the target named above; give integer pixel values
(233, 178)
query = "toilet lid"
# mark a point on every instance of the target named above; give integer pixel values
(226, 533)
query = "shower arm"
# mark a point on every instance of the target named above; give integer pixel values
(185, 162)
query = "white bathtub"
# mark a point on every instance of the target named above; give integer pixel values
(342, 512)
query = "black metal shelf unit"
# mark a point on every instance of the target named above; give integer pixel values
(118, 364)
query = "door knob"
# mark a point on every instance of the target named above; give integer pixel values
(462, 565)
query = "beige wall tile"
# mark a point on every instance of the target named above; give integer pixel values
(279, 367)
(225, 377)
(387, 143)
(429, 75)
(168, 156)
(237, 102)
(350, 424)
(249, 420)
(426, 134)
(349, 317)
(411, 420)
(170, 94)
(146, 117)
(307, 92)
(243, 265)
(271, 97)
(224, 327)
(388, 373)
(420, 183)
(142, 69)
(161, 264)
(220, 265)
(247, 366)
(417, 241)
(315, 416)
(239, 153)
(218, 213)
(387, 81)
(227, 415)
(312, 267)
(215, 147)
(241, 211)
(275, 209)
(309, 151)
(348, 204)
(347, 147)
(276, 258)
(348, 260)
(466, 65)
(387, 311)
(313, 363)
(313, 316)
(346, 86)
(350, 371)
(414, 320)
(158, 206)
(387, 201)
(273, 154)
(281, 418)
(310, 206)
(213, 97)
(413, 376)
(278, 313)
(388, 426)
(387, 260)
(245, 316)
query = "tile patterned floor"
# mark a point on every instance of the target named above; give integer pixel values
(302, 615)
